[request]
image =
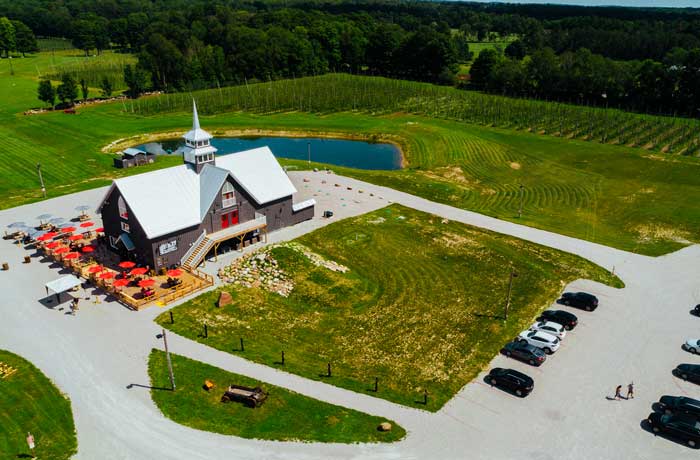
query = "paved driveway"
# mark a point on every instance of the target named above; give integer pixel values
(634, 335)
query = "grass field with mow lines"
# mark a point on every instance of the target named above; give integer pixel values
(430, 319)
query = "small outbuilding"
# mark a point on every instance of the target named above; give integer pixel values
(133, 157)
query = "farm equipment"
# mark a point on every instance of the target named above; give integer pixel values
(251, 397)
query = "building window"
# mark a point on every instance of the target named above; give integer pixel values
(228, 196)
(167, 247)
(125, 227)
(113, 241)
(123, 212)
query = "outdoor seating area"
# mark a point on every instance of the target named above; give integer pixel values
(81, 246)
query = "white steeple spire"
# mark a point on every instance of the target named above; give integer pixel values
(195, 117)
(198, 150)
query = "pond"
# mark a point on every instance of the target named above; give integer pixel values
(353, 154)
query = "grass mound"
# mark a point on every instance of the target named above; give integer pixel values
(29, 402)
(285, 416)
(420, 307)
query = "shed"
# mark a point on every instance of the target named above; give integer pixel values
(60, 285)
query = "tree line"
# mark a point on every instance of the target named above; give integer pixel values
(16, 36)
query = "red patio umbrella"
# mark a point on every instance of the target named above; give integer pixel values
(53, 244)
(75, 237)
(127, 264)
(138, 271)
(71, 255)
(107, 275)
(121, 282)
(87, 249)
(175, 272)
(95, 269)
(147, 283)
(50, 234)
(62, 250)
(68, 229)
(100, 229)
(87, 224)
(44, 237)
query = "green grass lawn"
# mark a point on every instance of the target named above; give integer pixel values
(622, 197)
(285, 416)
(420, 308)
(29, 402)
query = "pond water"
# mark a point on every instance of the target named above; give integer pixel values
(354, 154)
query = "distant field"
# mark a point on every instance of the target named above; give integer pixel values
(430, 319)
(29, 402)
(572, 186)
(285, 416)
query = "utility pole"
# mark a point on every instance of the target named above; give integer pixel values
(308, 151)
(520, 209)
(12, 72)
(167, 356)
(513, 274)
(41, 179)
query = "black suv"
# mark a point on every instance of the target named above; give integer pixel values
(690, 372)
(680, 405)
(512, 380)
(684, 427)
(524, 352)
(566, 319)
(588, 302)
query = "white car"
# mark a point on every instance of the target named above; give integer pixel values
(550, 327)
(692, 345)
(547, 342)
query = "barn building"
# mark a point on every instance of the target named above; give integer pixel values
(175, 216)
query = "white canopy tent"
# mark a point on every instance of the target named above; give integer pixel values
(63, 284)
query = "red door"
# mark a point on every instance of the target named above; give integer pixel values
(228, 219)
(234, 217)
(224, 221)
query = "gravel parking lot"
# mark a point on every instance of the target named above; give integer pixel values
(635, 335)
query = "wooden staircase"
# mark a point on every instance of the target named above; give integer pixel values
(196, 254)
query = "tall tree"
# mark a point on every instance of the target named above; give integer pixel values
(135, 79)
(47, 93)
(84, 89)
(68, 89)
(7, 36)
(25, 39)
(106, 87)
(482, 66)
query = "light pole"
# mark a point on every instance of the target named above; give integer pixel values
(41, 179)
(308, 151)
(513, 274)
(167, 356)
(520, 209)
(12, 72)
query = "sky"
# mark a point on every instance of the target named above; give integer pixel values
(647, 3)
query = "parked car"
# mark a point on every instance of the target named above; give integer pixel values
(680, 405)
(696, 310)
(583, 300)
(550, 327)
(512, 380)
(692, 345)
(685, 427)
(566, 319)
(690, 372)
(524, 352)
(547, 342)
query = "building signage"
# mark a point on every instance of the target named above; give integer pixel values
(165, 248)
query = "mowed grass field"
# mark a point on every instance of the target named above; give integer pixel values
(29, 402)
(285, 416)
(626, 198)
(421, 307)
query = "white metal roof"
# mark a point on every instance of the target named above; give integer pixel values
(132, 151)
(259, 173)
(171, 199)
(296, 207)
(63, 284)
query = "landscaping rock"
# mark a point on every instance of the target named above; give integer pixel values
(224, 299)
(384, 426)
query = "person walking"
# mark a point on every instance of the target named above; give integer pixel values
(618, 392)
(630, 391)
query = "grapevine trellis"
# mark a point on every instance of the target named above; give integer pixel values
(342, 92)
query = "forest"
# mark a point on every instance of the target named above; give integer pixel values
(645, 60)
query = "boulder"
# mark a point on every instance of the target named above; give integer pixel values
(224, 299)
(384, 426)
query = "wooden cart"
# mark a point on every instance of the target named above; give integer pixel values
(251, 397)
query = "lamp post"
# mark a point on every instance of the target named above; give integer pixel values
(513, 274)
(41, 179)
(12, 72)
(167, 356)
(520, 209)
(308, 151)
